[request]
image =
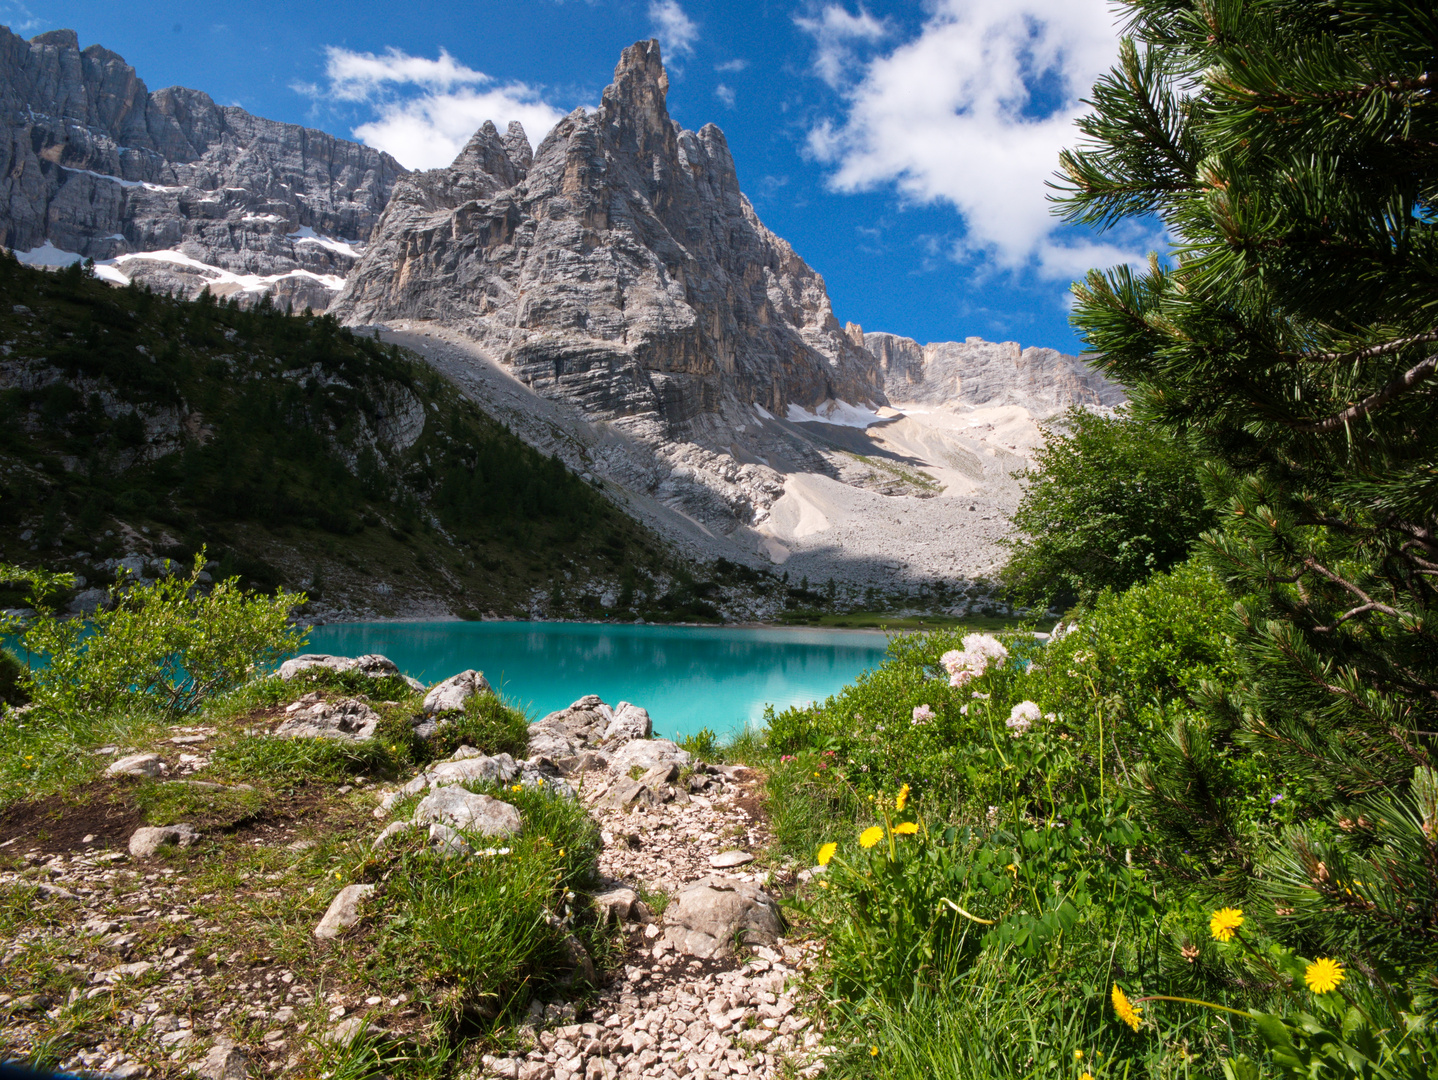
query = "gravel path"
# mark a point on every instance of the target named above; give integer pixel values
(667, 1015)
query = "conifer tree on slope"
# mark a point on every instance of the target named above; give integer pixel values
(1291, 147)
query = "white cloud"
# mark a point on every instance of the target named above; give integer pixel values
(732, 65)
(973, 112)
(426, 110)
(676, 31)
(725, 94)
(358, 76)
(836, 33)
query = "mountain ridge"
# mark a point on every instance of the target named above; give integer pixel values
(177, 191)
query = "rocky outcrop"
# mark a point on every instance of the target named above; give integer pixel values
(94, 164)
(981, 373)
(620, 270)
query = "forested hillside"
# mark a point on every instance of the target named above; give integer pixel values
(298, 453)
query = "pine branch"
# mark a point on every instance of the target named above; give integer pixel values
(1401, 385)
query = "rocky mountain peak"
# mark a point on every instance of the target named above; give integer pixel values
(633, 105)
(627, 273)
(502, 161)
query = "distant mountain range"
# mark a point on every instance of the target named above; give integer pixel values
(613, 297)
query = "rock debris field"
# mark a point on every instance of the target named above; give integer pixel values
(150, 950)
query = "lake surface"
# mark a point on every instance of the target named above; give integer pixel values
(687, 677)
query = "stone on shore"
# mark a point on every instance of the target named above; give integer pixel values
(372, 665)
(314, 718)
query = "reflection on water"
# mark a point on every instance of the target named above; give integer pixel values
(687, 677)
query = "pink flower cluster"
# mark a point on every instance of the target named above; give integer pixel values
(980, 651)
(1022, 717)
(922, 715)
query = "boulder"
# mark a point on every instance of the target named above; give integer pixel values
(565, 733)
(313, 718)
(372, 665)
(651, 789)
(616, 904)
(343, 911)
(704, 919)
(450, 695)
(144, 842)
(500, 769)
(630, 722)
(460, 809)
(137, 765)
(647, 754)
(87, 601)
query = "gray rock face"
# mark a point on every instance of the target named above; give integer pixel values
(978, 372)
(621, 270)
(704, 919)
(95, 163)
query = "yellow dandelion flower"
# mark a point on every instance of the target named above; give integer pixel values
(902, 798)
(1078, 1055)
(908, 828)
(826, 852)
(1086, 1076)
(1224, 922)
(1128, 1013)
(816, 776)
(561, 853)
(871, 836)
(873, 1051)
(1324, 975)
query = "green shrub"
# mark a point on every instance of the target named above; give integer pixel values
(160, 648)
(484, 934)
(487, 724)
(1112, 500)
(703, 744)
(12, 676)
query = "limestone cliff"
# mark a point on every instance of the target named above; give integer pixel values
(621, 270)
(94, 164)
(976, 372)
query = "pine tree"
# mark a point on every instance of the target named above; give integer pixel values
(1291, 149)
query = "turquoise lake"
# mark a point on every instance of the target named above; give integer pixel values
(687, 677)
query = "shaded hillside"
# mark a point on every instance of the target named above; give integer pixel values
(299, 453)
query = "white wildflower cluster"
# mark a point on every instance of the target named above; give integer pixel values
(980, 651)
(1022, 717)
(922, 715)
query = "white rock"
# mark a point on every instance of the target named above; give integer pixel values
(647, 753)
(460, 809)
(137, 765)
(343, 911)
(705, 917)
(451, 694)
(145, 841)
(349, 719)
(726, 859)
(225, 1061)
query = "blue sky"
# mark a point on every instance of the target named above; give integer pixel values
(900, 147)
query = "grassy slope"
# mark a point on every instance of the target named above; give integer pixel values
(263, 437)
